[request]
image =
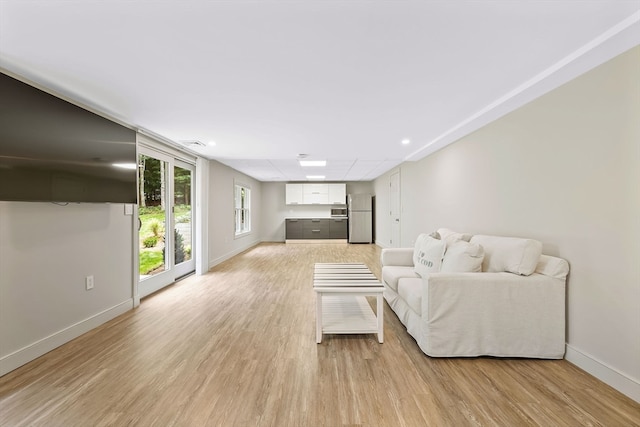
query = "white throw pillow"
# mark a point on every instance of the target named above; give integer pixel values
(462, 257)
(428, 255)
(511, 254)
(417, 246)
(450, 236)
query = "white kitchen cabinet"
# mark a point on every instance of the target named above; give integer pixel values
(337, 194)
(315, 194)
(294, 194)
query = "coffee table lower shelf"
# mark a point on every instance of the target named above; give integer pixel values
(347, 314)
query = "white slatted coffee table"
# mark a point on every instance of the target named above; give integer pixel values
(341, 306)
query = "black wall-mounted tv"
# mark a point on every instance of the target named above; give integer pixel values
(54, 151)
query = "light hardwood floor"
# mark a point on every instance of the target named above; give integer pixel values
(236, 347)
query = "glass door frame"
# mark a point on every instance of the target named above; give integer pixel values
(189, 266)
(160, 280)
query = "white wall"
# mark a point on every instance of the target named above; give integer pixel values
(46, 250)
(202, 215)
(222, 242)
(274, 211)
(563, 169)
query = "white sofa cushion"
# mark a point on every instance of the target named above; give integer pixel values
(554, 267)
(410, 290)
(510, 254)
(397, 256)
(462, 257)
(428, 255)
(450, 236)
(391, 274)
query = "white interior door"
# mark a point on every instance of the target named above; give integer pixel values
(394, 209)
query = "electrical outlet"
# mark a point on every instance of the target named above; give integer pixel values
(88, 281)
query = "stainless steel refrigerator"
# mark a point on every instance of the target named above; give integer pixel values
(359, 211)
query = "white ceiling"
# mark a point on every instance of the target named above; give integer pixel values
(341, 80)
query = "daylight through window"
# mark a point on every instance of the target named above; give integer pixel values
(243, 206)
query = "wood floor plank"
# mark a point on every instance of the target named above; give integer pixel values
(236, 347)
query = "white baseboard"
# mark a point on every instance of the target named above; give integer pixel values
(26, 354)
(216, 261)
(322, 241)
(382, 245)
(605, 373)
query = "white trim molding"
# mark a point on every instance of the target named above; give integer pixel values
(228, 255)
(605, 373)
(618, 39)
(26, 354)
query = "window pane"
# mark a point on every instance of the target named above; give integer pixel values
(152, 215)
(182, 181)
(242, 202)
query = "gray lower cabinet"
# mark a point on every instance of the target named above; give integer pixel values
(293, 229)
(338, 228)
(315, 228)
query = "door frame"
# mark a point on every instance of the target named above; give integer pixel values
(153, 148)
(395, 207)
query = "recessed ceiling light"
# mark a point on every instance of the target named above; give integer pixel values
(315, 177)
(211, 143)
(406, 142)
(306, 163)
(124, 165)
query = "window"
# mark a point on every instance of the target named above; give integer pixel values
(243, 209)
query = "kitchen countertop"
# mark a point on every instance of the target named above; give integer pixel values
(316, 217)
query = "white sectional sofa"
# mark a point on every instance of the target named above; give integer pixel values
(462, 295)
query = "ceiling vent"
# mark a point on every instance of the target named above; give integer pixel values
(193, 143)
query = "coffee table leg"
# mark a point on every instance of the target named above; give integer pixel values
(318, 317)
(380, 318)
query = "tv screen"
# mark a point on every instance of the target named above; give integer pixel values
(52, 150)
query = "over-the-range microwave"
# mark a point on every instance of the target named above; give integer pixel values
(338, 212)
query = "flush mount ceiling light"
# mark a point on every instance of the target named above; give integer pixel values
(406, 141)
(315, 177)
(312, 163)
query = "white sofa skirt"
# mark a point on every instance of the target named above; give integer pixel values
(483, 314)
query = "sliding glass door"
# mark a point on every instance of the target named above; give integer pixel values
(183, 191)
(165, 219)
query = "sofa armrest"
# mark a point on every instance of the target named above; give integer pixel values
(397, 256)
(498, 314)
